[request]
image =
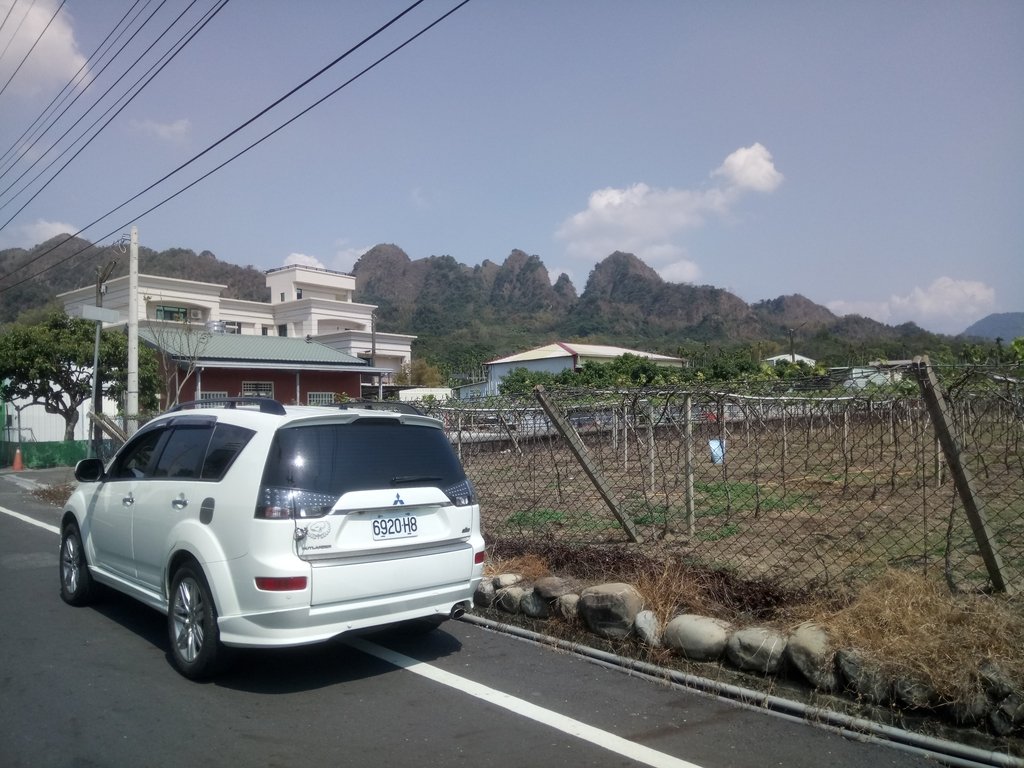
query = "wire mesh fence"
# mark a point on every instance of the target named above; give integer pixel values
(801, 482)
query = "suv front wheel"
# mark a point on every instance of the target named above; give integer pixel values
(192, 624)
(76, 584)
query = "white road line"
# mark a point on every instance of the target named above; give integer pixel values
(589, 733)
(596, 736)
(27, 519)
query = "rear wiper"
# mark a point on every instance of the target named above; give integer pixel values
(401, 479)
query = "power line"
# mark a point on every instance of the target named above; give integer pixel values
(34, 44)
(380, 60)
(165, 58)
(16, 29)
(65, 90)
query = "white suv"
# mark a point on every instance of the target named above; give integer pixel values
(254, 524)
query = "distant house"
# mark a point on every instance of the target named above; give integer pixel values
(310, 342)
(555, 358)
(306, 303)
(211, 365)
(793, 358)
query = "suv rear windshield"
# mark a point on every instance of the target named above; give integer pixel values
(361, 455)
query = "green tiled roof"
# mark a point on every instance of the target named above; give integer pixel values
(237, 348)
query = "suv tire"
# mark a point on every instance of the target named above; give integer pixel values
(76, 584)
(192, 624)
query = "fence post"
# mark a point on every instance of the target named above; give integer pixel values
(579, 450)
(688, 461)
(962, 475)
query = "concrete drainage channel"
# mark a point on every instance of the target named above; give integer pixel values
(947, 752)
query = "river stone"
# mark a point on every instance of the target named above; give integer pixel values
(533, 605)
(484, 594)
(863, 676)
(647, 627)
(1008, 715)
(701, 638)
(756, 649)
(914, 694)
(510, 598)
(506, 580)
(610, 609)
(567, 606)
(552, 587)
(971, 710)
(810, 651)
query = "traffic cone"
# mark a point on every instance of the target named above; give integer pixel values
(18, 466)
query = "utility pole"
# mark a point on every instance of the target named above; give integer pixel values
(132, 394)
(102, 275)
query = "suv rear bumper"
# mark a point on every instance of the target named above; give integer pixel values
(304, 624)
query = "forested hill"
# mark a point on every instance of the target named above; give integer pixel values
(463, 315)
(31, 279)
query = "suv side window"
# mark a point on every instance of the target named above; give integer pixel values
(182, 455)
(228, 441)
(136, 460)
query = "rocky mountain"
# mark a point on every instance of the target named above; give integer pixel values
(1001, 325)
(464, 315)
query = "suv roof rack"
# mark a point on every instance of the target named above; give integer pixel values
(266, 404)
(395, 406)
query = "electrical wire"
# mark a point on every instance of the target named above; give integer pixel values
(16, 29)
(18, 68)
(63, 93)
(251, 146)
(166, 58)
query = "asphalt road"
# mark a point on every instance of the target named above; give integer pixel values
(94, 687)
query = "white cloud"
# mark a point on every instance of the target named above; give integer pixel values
(750, 168)
(945, 306)
(174, 131)
(33, 233)
(345, 255)
(304, 260)
(646, 221)
(53, 61)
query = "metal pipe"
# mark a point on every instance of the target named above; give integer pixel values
(949, 752)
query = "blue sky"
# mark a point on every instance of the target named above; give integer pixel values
(866, 155)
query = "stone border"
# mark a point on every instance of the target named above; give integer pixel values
(615, 611)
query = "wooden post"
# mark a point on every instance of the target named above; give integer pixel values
(579, 450)
(962, 475)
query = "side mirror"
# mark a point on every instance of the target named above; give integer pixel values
(89, 471)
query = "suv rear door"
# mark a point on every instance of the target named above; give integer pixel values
(387, 493)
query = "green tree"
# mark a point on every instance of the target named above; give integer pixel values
(50, 364)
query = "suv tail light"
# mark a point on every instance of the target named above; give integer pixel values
(292, 503)
(462, 494)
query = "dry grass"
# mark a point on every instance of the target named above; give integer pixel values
(910, 625)
(916, 629)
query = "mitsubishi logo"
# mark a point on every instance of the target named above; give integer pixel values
(398, 501)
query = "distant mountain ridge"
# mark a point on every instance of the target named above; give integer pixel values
(1001, 325)
(463, 314)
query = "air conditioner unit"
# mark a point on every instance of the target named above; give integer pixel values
(195, 314)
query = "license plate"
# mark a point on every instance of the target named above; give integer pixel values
(403, 527)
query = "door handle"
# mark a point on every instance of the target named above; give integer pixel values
(128, 500)
(181, 502)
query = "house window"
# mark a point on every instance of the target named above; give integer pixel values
(282, 295)
(282, 330)
(232, 327)
(177, 314)
(298, 293)
(257, 389)
(213, 396)
(264, 330)
(320, 398)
